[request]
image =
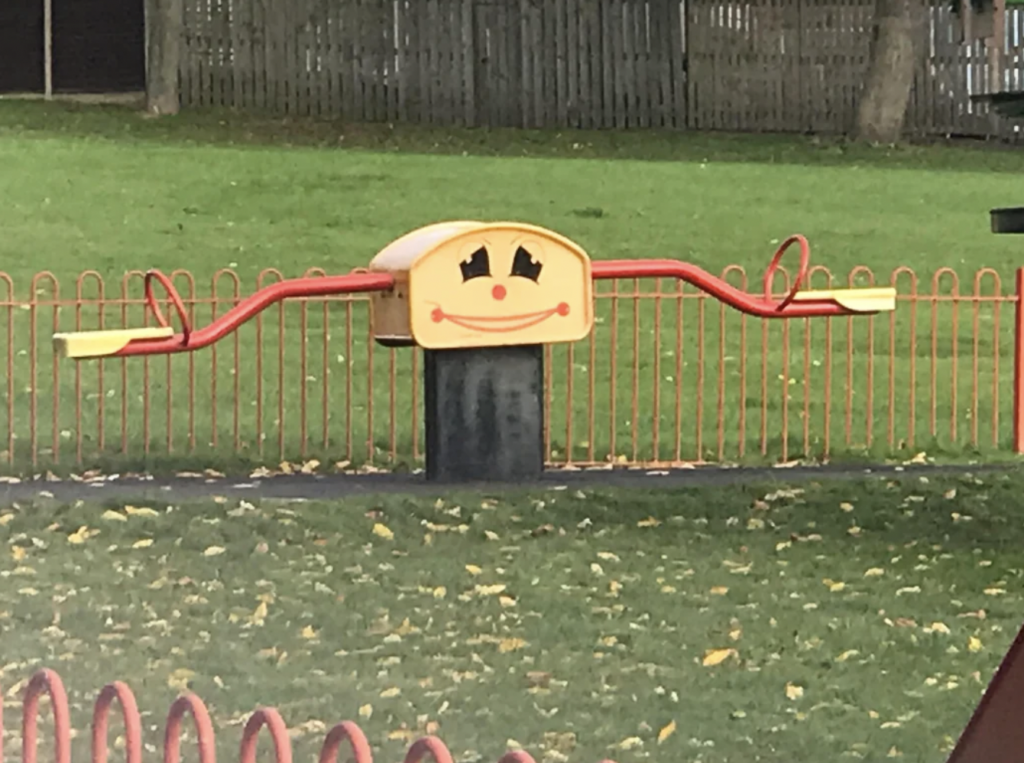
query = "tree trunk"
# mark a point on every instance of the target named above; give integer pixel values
(163, 54)
(896, 35)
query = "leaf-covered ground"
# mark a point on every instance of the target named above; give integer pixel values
(727, 624)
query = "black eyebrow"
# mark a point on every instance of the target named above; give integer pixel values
(526, 265)
(476, 265)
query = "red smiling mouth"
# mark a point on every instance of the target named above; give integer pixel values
(499, 323)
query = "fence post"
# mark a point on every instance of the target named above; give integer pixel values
(1018, 366)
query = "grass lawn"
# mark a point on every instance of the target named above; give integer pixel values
(108, 190)
(760, 623)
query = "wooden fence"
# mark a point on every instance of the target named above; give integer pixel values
(769, 65)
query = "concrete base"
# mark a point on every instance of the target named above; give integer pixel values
(484, 414)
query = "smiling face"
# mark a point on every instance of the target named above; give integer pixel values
(501, 285)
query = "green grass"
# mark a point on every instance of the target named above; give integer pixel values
(106, 189)
(573, 623)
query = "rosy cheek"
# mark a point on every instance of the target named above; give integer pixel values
(563, 309)
(437, 315)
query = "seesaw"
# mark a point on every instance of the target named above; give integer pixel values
(481, 299)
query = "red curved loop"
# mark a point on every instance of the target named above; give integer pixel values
(517, 756)
(189, 703)
(172, 293)
(801, 275)
(350, 732)
(132, 723)
(431, 746)
(270, 718)
(49, 682)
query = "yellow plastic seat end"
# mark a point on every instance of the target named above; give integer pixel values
(874, 299)
(99, 344)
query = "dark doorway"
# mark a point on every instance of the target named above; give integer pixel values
(98, 45)
(21, 46)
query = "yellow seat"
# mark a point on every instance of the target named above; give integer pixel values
(875, 299)
(98, 344)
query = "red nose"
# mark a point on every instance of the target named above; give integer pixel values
(498, 292)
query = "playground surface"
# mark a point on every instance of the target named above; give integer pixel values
(776, 620)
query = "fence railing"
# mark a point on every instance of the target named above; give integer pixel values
(668, 376)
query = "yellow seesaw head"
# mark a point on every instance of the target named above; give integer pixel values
(100, 344)
(872, 299)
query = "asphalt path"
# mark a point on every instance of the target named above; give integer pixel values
(341, 486)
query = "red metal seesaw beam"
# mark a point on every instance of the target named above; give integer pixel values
(763, 306)
(189, 340)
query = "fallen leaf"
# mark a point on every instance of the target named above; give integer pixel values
(937, 627)
(846, 506)
(490, 590)
(974, 644)
(666, 732)
(383, 531)
(649, 522)
(143, 543)
(472, 569)
(440, 592)
(214, 551)
(18, 553)
(630, 743)
(793, 691)
(140, 511)
(874, 572)
(259, 614)
(179, 679)
(394, 691)
(365, 711)
(510, 645)
(113, 516)
(719, 590)
(714, 657)
(309, 632)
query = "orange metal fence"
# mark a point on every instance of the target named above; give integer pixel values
(669, 376)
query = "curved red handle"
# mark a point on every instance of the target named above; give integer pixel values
(172, 294)
(801, 275)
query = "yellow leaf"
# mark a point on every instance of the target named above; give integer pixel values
(18, 553)
(736, 634)
(472, 569)
(259, 614)
(974, 644)
(141, 511)
(506, 601)
(846, 506)
(793, 691)
(874, 572)
(510, 645)
(834, 586)
(666, 732)
(394, 691)
(79, 536)
(144, 543)
(719, 590)
(309, 632)
(6, 519)
(490, 535)
(714, 657)
(630, 743)
(113, 516)
(403, 735)
(310, 466)
(214, 551)
(649, 522)
(179, 678)
(440, 592)
(490, 590)
(365, 711)
(383, 531)
(937, 627)
(847, 655)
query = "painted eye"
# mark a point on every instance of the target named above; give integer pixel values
(525, 266)
(477, 266)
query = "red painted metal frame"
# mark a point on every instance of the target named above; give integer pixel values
(346, 733)
(762, 306)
